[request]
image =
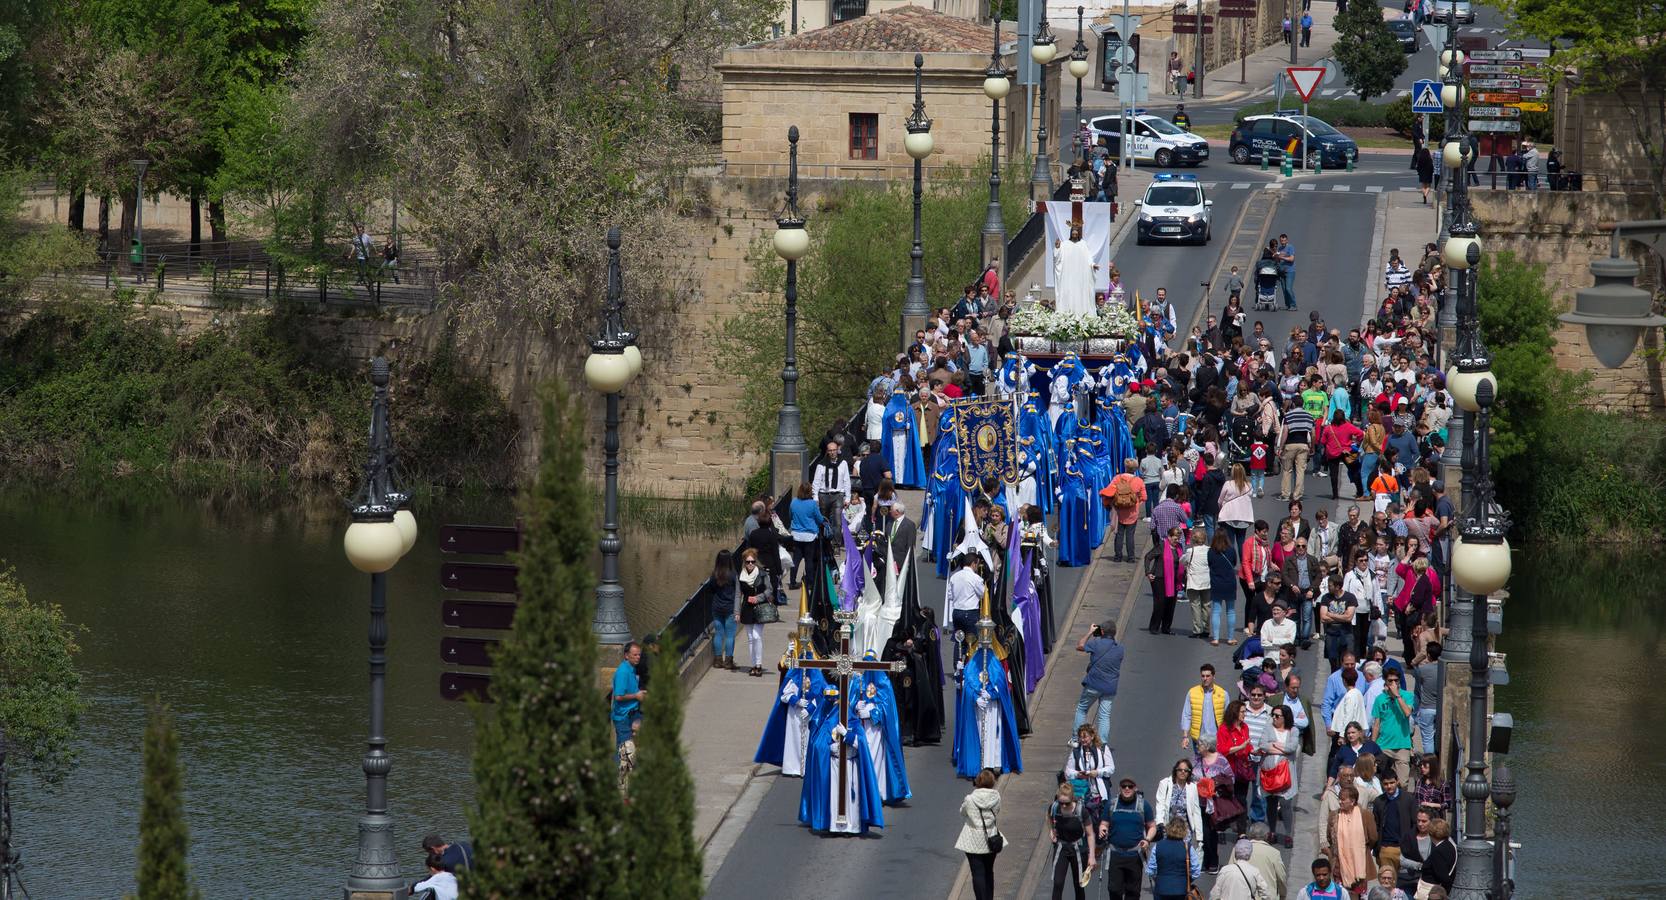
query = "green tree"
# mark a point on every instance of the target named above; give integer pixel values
(29, 251)
(851, 287)
(1518, 320)
(549, 817)
(1367, 50)
(40, 689)
(664, 860)
(1615, 48)
(163, 835)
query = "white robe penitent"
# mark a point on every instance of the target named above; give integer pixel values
(797, 733)
(875, 735)
(853, 790)
(989, 730)
(1073, 278)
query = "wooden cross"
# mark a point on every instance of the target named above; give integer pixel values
(843, 666)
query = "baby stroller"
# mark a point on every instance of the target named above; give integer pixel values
(1266, 284)
(1239, 438)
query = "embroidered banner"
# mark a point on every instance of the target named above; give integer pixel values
(986, 433)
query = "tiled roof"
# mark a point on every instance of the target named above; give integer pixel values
(911, 29)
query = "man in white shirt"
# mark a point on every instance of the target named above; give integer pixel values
(831, 481)
(441, 882)
(1277, 631)
(963, 600)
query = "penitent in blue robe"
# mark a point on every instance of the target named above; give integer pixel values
(1037, 437)
(772, 747)
(899, 416)
(1074, 506)
(889, 721)
(815, 801)
(1099, 474)
(948, 501)
(968, 743)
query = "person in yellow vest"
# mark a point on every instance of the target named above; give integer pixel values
(1201, 714)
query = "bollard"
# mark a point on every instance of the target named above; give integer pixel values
(1287, 168)
(1263, 162)
(1350, 163)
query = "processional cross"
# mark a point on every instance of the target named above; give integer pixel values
(842, 665)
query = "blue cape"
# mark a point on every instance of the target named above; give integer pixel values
(1037, 437)
(772, 747)
(948, 501)
(813, 807)
(968, 746)
(887, 718)
(899, 416)
(1074, 500)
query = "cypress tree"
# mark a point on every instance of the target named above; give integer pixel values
(660, 815)
(163, 836)
(549, 818)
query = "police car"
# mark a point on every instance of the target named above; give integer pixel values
(1270, 135)
(1173, 209)
(1152, 138)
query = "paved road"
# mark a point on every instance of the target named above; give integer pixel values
(777, 857)
(913, 855)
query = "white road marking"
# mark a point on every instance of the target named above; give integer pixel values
(1240, 185)
(1373, 189)
(1341, 188)
(1305, 186)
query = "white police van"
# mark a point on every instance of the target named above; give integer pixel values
(1151, 139)
(1174, 208)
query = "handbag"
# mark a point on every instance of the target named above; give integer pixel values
(1192, 893)
(1256, 892)
(995, 841)
(765, 612)
(1277, 779)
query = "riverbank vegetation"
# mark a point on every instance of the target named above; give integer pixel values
(1565, 471)
(98, 389)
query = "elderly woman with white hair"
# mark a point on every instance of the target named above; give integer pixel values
(1240, 880)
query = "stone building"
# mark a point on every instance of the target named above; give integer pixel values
(813, 14)
(849, 87)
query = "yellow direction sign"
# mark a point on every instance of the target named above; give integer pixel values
(1532, 106)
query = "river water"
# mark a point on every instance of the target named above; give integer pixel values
(250, 623)
(252, 626)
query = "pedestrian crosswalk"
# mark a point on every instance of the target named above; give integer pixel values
(1302, 186)
(1333, 93)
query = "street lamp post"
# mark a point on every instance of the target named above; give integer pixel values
(138, 254)
(613, 364)
(995, 87)
(378, 536)
(792, 241)
(1079, 68)
(1503, 797)
(918, 143)
(1614, 311)
(1042, 49)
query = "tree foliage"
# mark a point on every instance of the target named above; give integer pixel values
(549, 817)
(40, 688)
(1615, 48)
(163, 835)
(664, 860)
(851, 287)
(28, 252)
(1367, 50)
(510, 128)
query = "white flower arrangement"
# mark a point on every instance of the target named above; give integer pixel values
(1112, 320)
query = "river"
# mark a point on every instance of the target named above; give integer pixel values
(250, 623)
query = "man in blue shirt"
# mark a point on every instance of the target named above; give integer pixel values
(978, 367)
(1104, 670)
(627, 694)
(1126, 831)
(1286, 256)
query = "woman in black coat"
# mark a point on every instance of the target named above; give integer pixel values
(1424, 163)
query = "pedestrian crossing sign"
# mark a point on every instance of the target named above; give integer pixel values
(1425, 97)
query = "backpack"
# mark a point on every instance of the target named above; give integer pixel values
(1124, 498)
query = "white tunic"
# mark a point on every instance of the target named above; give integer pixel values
(875, 736)
(852, 823)
(989, 730)
(1073, 278)
(798, 731)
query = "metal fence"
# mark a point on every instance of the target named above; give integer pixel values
(244, 270)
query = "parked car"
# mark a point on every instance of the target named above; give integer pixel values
(1405, 31)
(1152, 139)
(1277, 135)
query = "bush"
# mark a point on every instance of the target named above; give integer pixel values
(1401, 120)
(1341, 113)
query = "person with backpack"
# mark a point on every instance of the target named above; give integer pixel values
(1126, 496)
(1074, 852)
(1127, 830)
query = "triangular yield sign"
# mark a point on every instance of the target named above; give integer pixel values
(1305, 79)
